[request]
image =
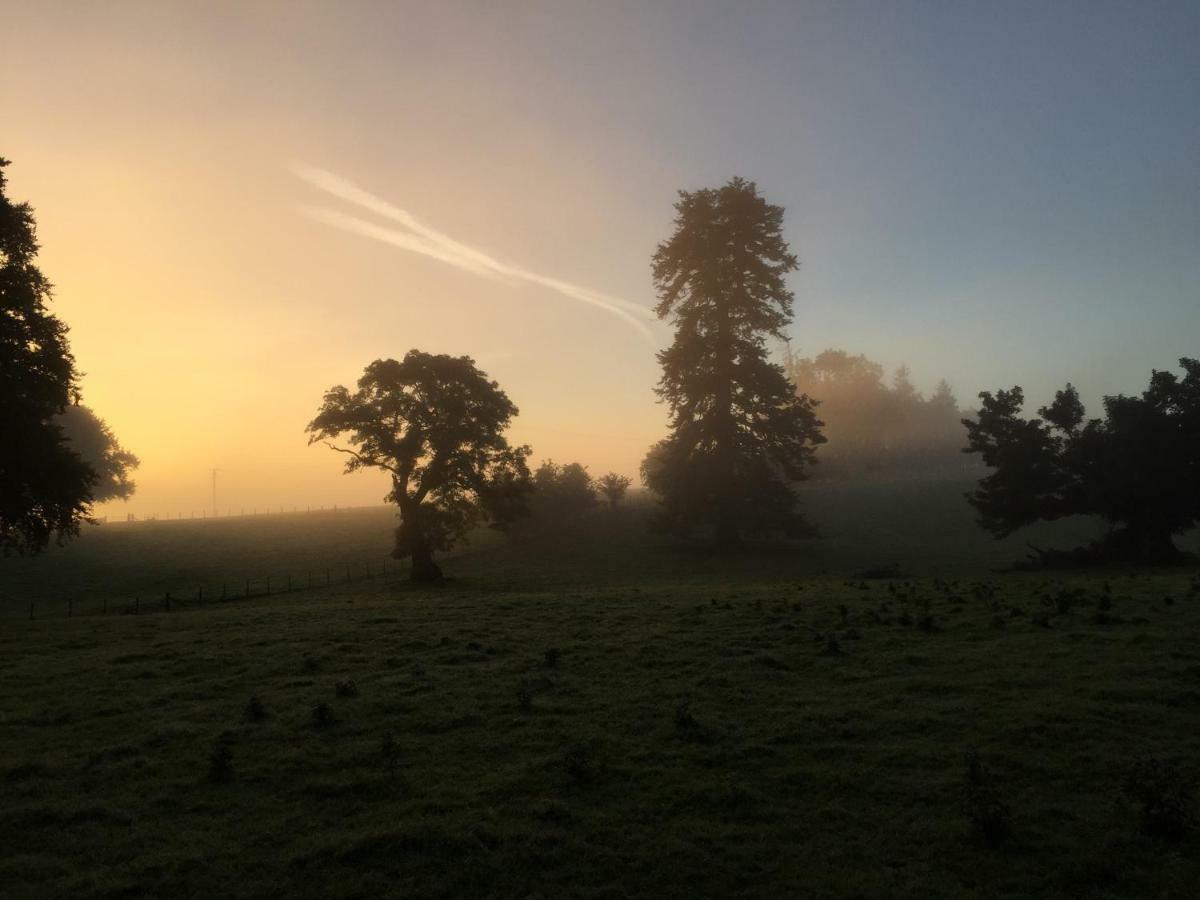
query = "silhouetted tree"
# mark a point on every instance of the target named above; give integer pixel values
(89, 436)
(874, 427)
(436, 424)
(561, 491)
(613, 487)
(739, 434)
(1138, 468)
(45, 488)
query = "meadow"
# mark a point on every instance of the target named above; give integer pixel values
(596, 711)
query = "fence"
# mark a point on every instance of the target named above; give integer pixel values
(275, 584)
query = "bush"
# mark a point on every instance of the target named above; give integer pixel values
(346, 689)
(552, 656)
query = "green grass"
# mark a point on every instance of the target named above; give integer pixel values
(698, 733)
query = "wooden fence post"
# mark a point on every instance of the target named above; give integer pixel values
(268, 585)
(70, 607)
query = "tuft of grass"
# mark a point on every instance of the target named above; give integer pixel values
(220, 762)
(1164, 794)
(982, 803)
(323, 716)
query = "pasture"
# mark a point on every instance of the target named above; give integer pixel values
(598, 712)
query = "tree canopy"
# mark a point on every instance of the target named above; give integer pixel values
(561, 492)
(89, 436)
(874, 427)
(740, 436)
(436, 424)
(613, 487)
(1138, 468)
(45, 488)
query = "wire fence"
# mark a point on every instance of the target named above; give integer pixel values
(214, 592)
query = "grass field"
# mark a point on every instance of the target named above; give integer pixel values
(599, 713)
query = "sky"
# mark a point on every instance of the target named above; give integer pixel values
(242, 204)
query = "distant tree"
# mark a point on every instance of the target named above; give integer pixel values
(436, 425)
(562, 491)
(45, 488)
(1137, 468)
(89, 436)
(740, 436)
(613, 487)
(873, 427)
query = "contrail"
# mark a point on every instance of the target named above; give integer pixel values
(420, 238)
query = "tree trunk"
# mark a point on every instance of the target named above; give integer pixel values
(424, 569)
(412, 542)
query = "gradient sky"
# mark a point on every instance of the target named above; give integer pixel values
(992, 193)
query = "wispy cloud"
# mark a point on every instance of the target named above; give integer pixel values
(417, 237)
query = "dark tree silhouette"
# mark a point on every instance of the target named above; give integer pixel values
(436, 424)
(89, 436)
(613, 487)
(1138, 468)
(739, 434)
(561, 491)
(45, 488)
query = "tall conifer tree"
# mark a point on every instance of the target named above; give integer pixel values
(740, 436)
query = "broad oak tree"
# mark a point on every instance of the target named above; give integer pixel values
(1138, 468)
(436, 424)
(740, 435)
(45, 487)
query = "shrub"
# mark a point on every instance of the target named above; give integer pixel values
(346, 689)
(552, 656)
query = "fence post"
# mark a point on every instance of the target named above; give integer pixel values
(106, 606)
(200, 595)
(30, 610)
(268, 585)
(222, 590)
(137, 602)
(247, 594)
(310, 579)
(70, 607)
(167, 601)
(289, 584)
(347, 571)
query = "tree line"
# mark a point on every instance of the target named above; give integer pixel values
(743, 429)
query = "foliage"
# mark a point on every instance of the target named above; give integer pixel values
(436, 424)
(561, 492)
(90, 437)
(613, 487)
(1136, 468)
(873, 427)
(739, 434)
(45, 488)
